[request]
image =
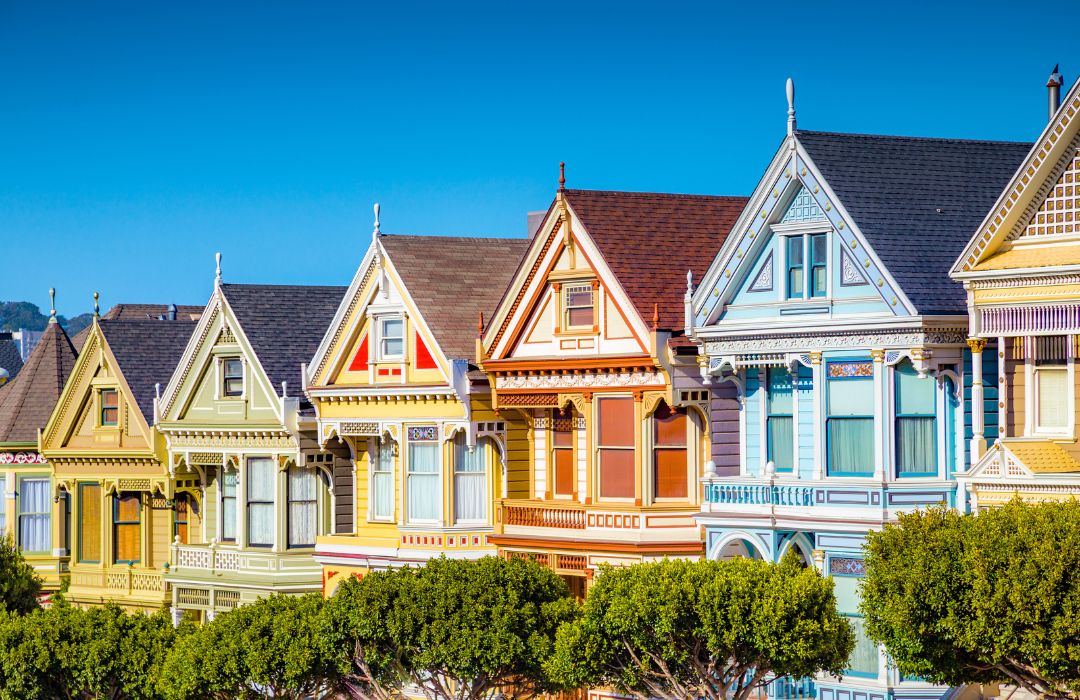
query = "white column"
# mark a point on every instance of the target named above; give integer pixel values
(817, 369)
(795, 419)
(1003, 389)
(880, 412)
(978, 429)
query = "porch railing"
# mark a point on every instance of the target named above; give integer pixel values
(554, 516)
(733, 493)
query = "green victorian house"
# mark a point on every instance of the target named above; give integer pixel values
(251, 489)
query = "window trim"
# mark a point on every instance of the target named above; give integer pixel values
(826, 437)
(897, 416)
(102, 423)
(226, 377)
(599, 448)
(115, 522)
(565, 307)
(381, 337)
(769, 415)
(374, 449)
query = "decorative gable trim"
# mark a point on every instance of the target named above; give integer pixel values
(187, 360)
(850, 274)
(349, 302)
(763, 282)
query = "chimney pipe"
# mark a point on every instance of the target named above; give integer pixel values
(1053, 87)
(172, 312)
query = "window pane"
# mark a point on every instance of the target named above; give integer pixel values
(616, 422)
(795, 282)
(180, 518)
(915, 450)
(423, 494)
(228, 506)
(470, 480)
(393, 328)
(864, 659)
(126, 528)
(1053, 388)
(779, 401)
(564, 471)
(820, 280)
(384, 495)
(818, 249)
(851, 445)
(562, 430)
(670, 473)
(914, 395)
(261, 524)
(260, 501)
(851, 397)
(3, 505)
(670, 426)
(795, 251)
(233, 368)
(89, 522)
(580, 317)
(393, 347)
(260, 485)
(616, 473)
(303, 506)
(781, 442)
(33, 523)
(466, 461)
(424, 457)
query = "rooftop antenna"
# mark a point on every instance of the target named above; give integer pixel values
(217, 271)
(790, 106)
(97, 308)
(52, 304)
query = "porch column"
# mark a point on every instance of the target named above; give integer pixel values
(879, 414)
(1003, 388)
(978, 429)
(816, 368)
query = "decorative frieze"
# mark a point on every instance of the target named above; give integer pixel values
(599, 380)
(1025, 320)
(846, 566)
(202, 442)
(22, 458)
(359, 428)
(835, 341)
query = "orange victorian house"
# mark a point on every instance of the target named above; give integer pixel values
(586, 353)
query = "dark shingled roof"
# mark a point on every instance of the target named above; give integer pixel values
(650, 240)
(142, 312)
(10, 357)
(147, 353)
(284, 324)
(453, 279)
(917, 200)
(27, 401)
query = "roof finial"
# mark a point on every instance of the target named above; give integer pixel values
(689, 281)
(562, 176)
(217, 271)
(376, 233)
(52, 304)
(97, 309)
(790, 106)
(480, 326)
(655, 316)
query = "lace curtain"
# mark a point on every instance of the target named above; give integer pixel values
(470, 480)
(303, 506)
(34, 508)
(260, 501)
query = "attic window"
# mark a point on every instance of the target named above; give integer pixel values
(391, 338)
(110, 407)
(578, 306)
(232, 377)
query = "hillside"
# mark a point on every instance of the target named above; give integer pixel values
(23, 314)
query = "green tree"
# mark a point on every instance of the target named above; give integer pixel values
(459, 630)
(100, 653)
(19, 585)
(706, 629)
(993, 598)
(270, 648)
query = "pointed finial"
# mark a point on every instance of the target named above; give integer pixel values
(480, 326)
(52, 304)
(97, 309)
(376, 233)
(790, 106)
(562, 176)
(655, 316)
(689, 281)
(217, 271)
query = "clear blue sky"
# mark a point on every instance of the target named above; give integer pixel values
(138, 139)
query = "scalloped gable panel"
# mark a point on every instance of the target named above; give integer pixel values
(1059, 213)
(795, 194)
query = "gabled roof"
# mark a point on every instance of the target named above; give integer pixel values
(143, 312)
(452, 279)
(27, 401)
(147, 353)
(284, 324)
(10, 357)
(650, 240)
(916, 200)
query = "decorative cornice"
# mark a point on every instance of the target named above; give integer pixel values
(598, 380)
(26, 457)
(841, 340)
(525, 286)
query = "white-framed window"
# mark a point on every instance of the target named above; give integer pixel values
(1052, 385)
(259, 488)
(232, 377)
(34, 509)
(391, 331)
(302, 493)
(229, 480)
(382, 479)
(422, 491)
(578, 306)
(470, 481)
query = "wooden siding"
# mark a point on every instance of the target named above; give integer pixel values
(724, 428)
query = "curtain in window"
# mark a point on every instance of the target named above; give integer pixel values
(422, 489)
(616, 440)
(260, 502)
(1053, 388)
(127, 528)
(470, 480)
(915, 423)
(382, 479)
(850, 427)
(228, 506)
(89, 522)
(864, 658)
(670, 454)
(303, 506)
(781, 423)
(34, 515)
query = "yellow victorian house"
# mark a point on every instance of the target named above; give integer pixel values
(1021, 271)
(108, 459)
(395, 382)
(250, 488)
(32, 511)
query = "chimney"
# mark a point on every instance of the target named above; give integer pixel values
(172, 312)
(1053, 87)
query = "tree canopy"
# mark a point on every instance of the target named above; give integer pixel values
(992, 598)
(19, 585)
(706, 629)
(454, 629)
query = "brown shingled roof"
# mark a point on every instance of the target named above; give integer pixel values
(141, 312)
(27, 401)
(452, 279)
(650, 240)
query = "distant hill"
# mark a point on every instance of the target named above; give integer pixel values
(15, 315)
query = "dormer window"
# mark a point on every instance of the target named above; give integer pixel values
(391, 338)
(578, 308)
(232, 370)
(807, 266)
(110, 407)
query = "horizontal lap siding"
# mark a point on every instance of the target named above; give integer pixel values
(724, 428)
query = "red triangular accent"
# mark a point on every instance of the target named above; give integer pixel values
(360, 362)
(424, 360)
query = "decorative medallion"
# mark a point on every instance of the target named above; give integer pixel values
(850, 370)
(764, 280)
(422, 433)
(846, 566)
(22, 458)
(368, 428)
(850, 274)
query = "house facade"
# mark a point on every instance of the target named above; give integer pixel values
(586, 361)
(249, 487)
(830, 311)
(1021, 272)
(395, 383)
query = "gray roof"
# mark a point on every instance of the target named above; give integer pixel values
(147, 352)
(917, 200)
(10, 357)
(284, 324)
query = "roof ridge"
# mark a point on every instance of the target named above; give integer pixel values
(672, 195)
(898, 137)
(451, 236)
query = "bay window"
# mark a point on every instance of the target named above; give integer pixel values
(670, 457)
(89, 523)
(780, 421)
(303, 507)
(1051, 380)
(616, 446)
(259, 486)
(916, 427)
(422, 475)
(470, 481)
(229, 479)
(127, 528)
(849, 423)
(562, 451)
(34, 502)
(181, 517)
(382, 480)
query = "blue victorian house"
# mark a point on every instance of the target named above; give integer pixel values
(830, 316)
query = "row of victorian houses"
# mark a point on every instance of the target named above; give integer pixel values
(886, 323)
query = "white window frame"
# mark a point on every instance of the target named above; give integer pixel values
(437, 475)
(380, 338)
(577, 287)
(1031, 394)
(480, 446)
(375, 447)
(223, 470)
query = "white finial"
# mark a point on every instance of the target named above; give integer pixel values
(689, 281)
(376, 233)
(157, 389)
(284, 389)
(217, 271)
(52, 303)
(790, 106)
(97, 308)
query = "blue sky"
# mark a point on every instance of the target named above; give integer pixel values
(138, 139)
